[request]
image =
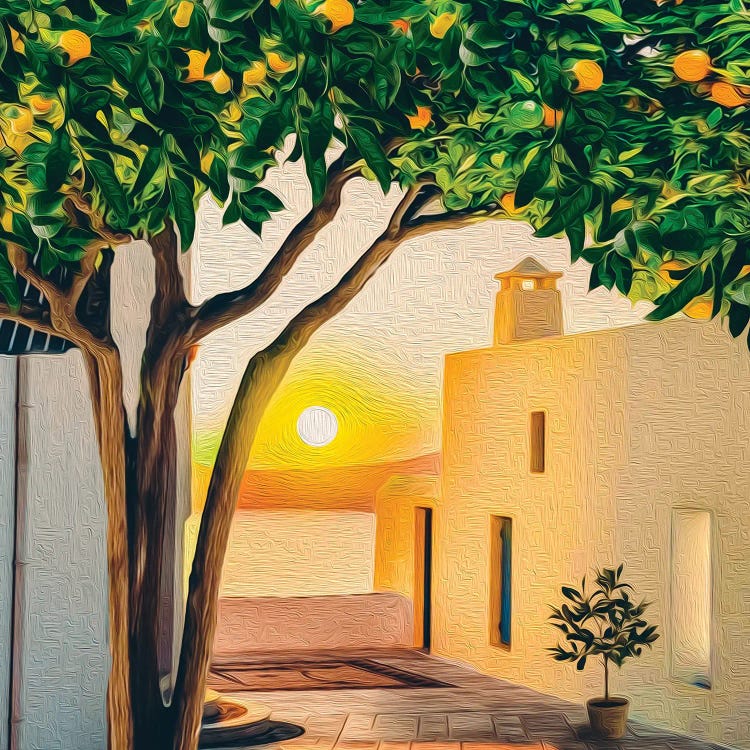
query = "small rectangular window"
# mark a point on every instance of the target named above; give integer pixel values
(538, 439)
(691, 597)
(501, 549)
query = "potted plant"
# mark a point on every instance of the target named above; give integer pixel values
(604, 622)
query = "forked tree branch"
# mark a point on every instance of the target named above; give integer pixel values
(229, 306)
(62, 312)
(77, 203)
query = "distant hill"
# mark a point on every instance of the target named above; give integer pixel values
(339, 488)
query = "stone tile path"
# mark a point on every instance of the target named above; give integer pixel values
(479, 713)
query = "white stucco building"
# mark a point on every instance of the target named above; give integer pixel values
(626, 445)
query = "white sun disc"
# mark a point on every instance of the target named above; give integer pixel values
(317, 426)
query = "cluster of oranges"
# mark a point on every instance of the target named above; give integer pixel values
(196, 72)
(76, 44)
(694, 66)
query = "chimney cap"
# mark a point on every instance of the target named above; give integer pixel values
(529, 267)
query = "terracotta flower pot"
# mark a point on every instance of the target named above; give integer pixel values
(608, 718)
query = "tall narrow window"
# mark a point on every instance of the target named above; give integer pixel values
(691, 597)
(538, 440)
(501, 549)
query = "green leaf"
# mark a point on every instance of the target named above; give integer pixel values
(739, 317)
(9, 284)
(570, 210)
(315, 135)
(110, 188)
(147, 172)
(534, 178)
(686, 291)
(183, 209)
(612, 21)
(57, 163)
(372, 152)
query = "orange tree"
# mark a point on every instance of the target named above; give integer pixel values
(623, 126)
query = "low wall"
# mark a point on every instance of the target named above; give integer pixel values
(294, 553)
(314, 622)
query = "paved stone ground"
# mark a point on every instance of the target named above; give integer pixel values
(479, 713)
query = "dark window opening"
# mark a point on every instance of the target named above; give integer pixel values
(538, 440)
(501, 580)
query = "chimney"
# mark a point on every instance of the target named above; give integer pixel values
(528, 305)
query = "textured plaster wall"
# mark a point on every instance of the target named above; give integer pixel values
(395, 505)
(61, 632)
(688, 421)
(7, 526)
(298, 553)
(639, 420)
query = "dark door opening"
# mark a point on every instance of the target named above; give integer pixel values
(423, 578)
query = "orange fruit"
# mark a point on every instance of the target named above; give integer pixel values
(551, 116)
(76, 43)
(19, 142)
(182, 14)
(692, 65)
(699, 309)
(421, 119)
(221, 82)
(279, 64)
(508, 202)
(589, 75)
(275, 3)
(16, 41)
(401, 24)
(40, 104)
(255, 74)
(727, 95)
(671, 265)
(22, 121)
(339, 12)
(196, 65)
(440, 26)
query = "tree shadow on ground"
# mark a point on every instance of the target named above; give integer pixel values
(276, 731)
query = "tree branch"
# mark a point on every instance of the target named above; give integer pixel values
(62, 312)
(76, 202)
(28, 315)
(259, 381)
(227, 307)
(19, 259)
(169, 298)
(83, 275)
(450, 220)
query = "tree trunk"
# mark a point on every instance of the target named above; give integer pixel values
(156, 469)
(105, 380)
(163, 365)
(261, 378)
(606, 679)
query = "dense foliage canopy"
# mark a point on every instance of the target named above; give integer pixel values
(623, 125)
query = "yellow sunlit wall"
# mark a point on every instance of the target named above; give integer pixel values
(640, 421)
(395, 523)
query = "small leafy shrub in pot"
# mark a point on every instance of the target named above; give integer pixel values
(602, 622)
